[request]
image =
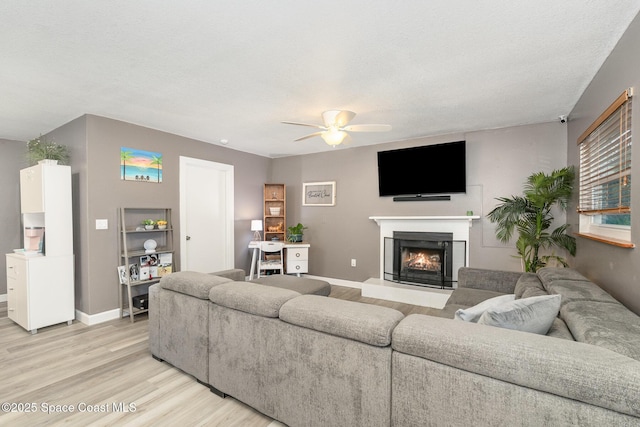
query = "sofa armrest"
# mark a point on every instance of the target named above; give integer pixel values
(490, 280)
(565, 368)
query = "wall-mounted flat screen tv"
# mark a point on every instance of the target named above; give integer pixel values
(429, 169)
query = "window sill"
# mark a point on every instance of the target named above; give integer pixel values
(608, 240)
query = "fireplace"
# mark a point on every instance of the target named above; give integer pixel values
(420, 258)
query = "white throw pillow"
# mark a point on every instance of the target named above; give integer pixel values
(534, 314)
(472, 314)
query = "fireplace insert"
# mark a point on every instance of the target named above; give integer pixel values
(422, 258)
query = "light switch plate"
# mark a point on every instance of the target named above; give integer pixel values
(102, 224)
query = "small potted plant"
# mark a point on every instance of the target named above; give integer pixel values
(40, 150)
(148, 224)
(162, 224)
(295, 232)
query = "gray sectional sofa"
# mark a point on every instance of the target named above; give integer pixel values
(309, 360)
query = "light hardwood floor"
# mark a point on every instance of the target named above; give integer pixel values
(106, 374)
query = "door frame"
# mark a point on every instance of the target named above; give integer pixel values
(227, 170)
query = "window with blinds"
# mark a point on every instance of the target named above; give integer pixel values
(605, 167)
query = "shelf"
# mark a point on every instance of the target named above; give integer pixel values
(131, 249)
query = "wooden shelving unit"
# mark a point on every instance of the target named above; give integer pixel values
(136, 278)
(275, 196)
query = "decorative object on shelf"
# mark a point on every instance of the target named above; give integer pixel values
(295, 233)
(140, 165)
(162, 224)
(149, 224)
(256, 227)
(274, 211)
(42, 151)
(275, 228)
(150, 246)
(319, 193)
(531, 215)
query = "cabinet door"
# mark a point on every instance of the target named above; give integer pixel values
(17, 307)
(31, 190)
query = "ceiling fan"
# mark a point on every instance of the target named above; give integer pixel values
(334, 131)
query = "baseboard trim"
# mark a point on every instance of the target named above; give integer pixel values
(94, 319)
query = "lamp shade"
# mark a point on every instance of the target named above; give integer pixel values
(256, 225)
(334, 137)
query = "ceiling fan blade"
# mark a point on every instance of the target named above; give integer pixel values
(337, 117)
(305, 124)
(308, 136)
(367, 128)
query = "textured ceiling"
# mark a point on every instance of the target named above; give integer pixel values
(214, 70)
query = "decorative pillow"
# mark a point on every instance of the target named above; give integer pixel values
(535, 314)
(472, 314)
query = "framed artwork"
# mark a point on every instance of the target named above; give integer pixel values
(319, 193)
(140, 165)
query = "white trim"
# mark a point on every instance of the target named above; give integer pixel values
(94, 319)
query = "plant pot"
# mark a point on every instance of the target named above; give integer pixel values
(47, 162)
(295, 237)
(162, 227)
(148, 227)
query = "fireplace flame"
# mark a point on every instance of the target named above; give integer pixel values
(422, 261)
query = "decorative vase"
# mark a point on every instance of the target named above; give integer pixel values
(162, 227)
(47, 162)
(148, 227)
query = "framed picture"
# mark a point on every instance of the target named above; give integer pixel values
(140, 165)
(319, 193)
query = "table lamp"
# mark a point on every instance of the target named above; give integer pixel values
(256, 227)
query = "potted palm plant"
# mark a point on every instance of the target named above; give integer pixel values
(530, 214)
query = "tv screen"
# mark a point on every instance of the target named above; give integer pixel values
(430, 169)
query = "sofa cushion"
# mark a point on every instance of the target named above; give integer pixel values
(251, 297)
(608, 325)
(579, 290)
(534, 314)
(468, 297)
(472, 314)
(370, 324)
(192, 283)
(551, 274)
(302, 285)
(530, 284)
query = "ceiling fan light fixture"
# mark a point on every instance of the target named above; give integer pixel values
(334, 137)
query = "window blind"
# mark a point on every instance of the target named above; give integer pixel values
(605, 161)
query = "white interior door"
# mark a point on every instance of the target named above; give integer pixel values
(206, 215)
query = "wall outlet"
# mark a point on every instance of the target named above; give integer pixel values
(102, 224)
(353, 262)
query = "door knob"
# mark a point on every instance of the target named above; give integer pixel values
(188, 237)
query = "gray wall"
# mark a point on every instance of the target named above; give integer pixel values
(99, 192)
(498, 162)
(12, 159)
(615, 269)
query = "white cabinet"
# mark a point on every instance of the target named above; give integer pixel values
(40, 290)
(297, 259)
(40, 286)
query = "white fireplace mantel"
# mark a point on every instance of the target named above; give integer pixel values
(457, 225)
(465, 218)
